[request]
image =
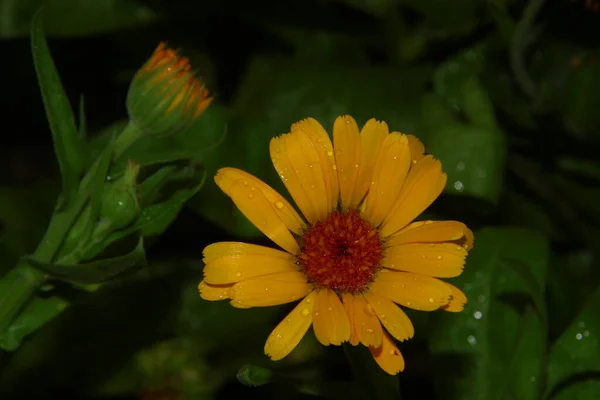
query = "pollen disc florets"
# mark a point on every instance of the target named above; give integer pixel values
(341, 252)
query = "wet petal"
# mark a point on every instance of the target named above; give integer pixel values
(372, 137)
(286, 336)
(255, 206)
(330, 321)
(424, 183)
(388, 356)
(324, 148)
(234, 268)
(365, 326)
(298, 164)
(429, 232)
(415, 291)
(391, 316)
(388, 178)
(280, 205)
(220, 249)
(442, 260)
(457, 299)
(270, 290)
(347, 145)
(213, 292)
(416, 148)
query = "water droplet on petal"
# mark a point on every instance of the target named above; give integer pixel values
(238, 274)
(369, 330)
(431, 299)
(330, 153)
(279, 204)
(440, 257)
(305, 312)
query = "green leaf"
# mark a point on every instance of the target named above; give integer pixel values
(95, 271)
(270, 100)
(73, 17)
(577, 350)
(472, 157)
(252, 375)
(66, 138)
(493, 348)
(36, 314)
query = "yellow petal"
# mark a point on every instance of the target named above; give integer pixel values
(270, 290)
(322, 144)
(280, 205)
(416, 148)
(213, 292)
(389, 175)
(221, 249)
(429, 232)
(457, 299)
(365, 326)
(330, 321)
(251, 201)
(234, 268)
(442, 260)
(347, 145)
(372, 137)
(286, 336)
(388, 356)
(415, 291)
(469, 239)
(424, 183)
(391, 316)
(298, 164)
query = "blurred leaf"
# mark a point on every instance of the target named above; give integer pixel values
(376, 383)
(495, 346)
(580, 166)
(582, 389)
(24, 213)
(36, 314)
(472, 157)
(252, 375)
(450, 77)
(275, 93)
(95, 271)
(442, 18)
(73, 17)
(583, 94)
(102, 330)
(65, 136)
(577, 351)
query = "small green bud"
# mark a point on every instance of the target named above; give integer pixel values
(120, 206)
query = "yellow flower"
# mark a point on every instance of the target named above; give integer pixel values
(165, 95)
(355, 253)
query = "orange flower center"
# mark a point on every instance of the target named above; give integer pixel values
(342, 252)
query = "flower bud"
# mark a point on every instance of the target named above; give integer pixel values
(165, 96)
(120, 205)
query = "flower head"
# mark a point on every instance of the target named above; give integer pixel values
(357, 254)
(165, 95)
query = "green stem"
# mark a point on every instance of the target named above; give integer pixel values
(19, 285)
(128, 136)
